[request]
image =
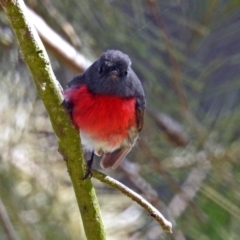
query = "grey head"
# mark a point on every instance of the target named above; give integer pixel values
(112, 74)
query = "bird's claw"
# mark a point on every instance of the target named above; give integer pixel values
(88, 174)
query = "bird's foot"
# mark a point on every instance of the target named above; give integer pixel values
(88, 173)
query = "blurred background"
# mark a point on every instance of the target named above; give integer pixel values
(186, 164)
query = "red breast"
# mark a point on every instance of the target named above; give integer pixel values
(102, 116)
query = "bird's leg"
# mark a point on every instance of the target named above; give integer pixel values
(88, 173)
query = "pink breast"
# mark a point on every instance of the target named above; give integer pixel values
(102, 116)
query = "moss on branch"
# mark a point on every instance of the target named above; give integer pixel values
(50, 92)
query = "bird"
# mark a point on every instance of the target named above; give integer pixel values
(106, 103)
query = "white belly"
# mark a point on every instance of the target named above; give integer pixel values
(99, 147)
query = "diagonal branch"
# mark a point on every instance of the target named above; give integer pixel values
(189, 189)
(6, 223)
(176, 71)
(166, 225)
(50, 92)
(61, 48)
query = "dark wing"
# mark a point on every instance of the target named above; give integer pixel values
(75, 82)
(140, 117)
(140, 107)
(114, 159)
(136, 90)
(68, 106)
(84, 77)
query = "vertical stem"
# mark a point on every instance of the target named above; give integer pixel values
(50, 92)
(6, 223)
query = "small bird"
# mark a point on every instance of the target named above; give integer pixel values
(107, 103)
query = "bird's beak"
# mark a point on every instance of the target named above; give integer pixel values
(113, 74)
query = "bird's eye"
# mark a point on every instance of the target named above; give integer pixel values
(100, 70)
(125, 73)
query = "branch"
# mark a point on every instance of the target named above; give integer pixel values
(176, 72)
(165, 224)
(189, 190)
(6, 223)
(172, 129)
(131, 172)
(60, 47)
(173, 185)
(61, 21)
(50, 92)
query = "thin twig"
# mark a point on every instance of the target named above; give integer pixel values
(61, 21)
(189, 190)
(165, 224)
(60, 47)
(6, 223)
(131, 172)
(173, 130)
(176, 72)
(173, 185)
